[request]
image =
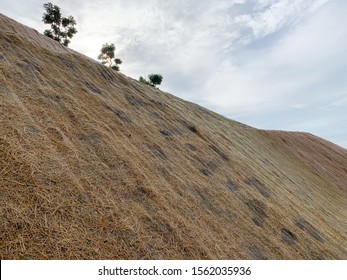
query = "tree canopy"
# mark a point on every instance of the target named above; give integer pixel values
(62, 28)
(153, 80)
(107, 56)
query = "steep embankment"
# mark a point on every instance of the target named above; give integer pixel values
(94, 165)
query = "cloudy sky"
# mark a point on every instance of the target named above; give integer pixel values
(271, 64)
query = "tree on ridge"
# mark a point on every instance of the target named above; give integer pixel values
(153, 80)
(107, 56)
(62, 28)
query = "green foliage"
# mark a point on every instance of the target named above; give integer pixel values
(62, 28)
(107, 56)
(143, 80)
(153, 80)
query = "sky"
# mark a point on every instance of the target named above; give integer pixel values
(270, 64)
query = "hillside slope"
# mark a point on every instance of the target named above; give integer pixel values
(95, 165)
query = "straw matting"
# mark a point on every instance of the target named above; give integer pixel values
(94, 165)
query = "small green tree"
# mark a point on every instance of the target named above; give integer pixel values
(143, 80)
(153, 80)
(107, 56)
(62, 28)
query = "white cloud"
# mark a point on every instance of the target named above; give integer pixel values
(340, 102)
(298, 106)
(298, 66)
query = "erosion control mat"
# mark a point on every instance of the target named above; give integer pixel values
(95, 165)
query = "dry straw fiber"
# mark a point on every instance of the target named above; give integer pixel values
(95, 165)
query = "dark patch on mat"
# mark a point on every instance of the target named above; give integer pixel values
(156, 151)
(212, 165)
(287, 236)
(207, 167)
(258, 222)
(305, 225)
(205, 171)
(55, 133)
(232, 186)
(56, 97)
(33, 130)
(29, 69)
(258, 209)
(134, 102)
(189, 126)
(27, 66)
(72, 116)
(107, 75)
(92, 88)
(159, 226)
(165, 173)
(166, 132)
(69, 64)
(144, 191)
(258, 185)
(255, 252)
(156, 116)
(119, 113)
(159, 103)
(265, 161)
(191, 147)
(204, 199)
(219, 152)
(93, 138)
(43, 180)
(192, 128)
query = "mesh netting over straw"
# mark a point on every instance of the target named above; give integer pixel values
(95, 165)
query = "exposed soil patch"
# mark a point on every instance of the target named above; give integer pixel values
(105, 74)
(304, 225)
(55, 133)
(258, 185)
(134, 101)
(208, 167)
(119, 113)
(158, 102)
(191, 147)
(258, 222)
(93, 138)
(232, 186)
(93, 88)
(189, 126)
(144, 191)
(205, 171)
(69, 64)
(255, 252)
(155, 150)
(219, 152)
(258, 208)
(161, 227)
(166, 132)
(192, 128)
(204, 199)
(287, 236)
